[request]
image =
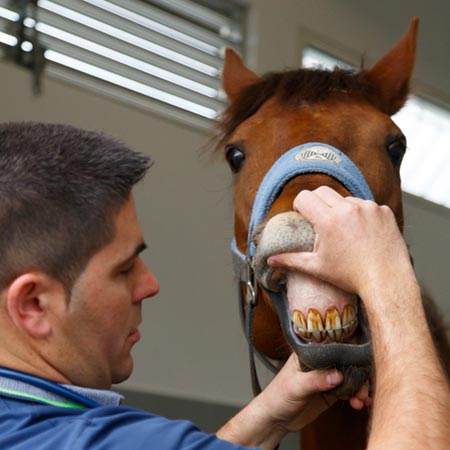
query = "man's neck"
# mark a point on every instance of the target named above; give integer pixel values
(17, 353)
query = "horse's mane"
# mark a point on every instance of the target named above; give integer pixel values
(292, 87)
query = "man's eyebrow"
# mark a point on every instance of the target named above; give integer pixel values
(139, 249)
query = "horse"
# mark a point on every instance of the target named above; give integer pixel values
(344, 114)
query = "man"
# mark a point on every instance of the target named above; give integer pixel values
(71, 289)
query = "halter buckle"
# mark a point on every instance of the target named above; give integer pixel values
(251, 283)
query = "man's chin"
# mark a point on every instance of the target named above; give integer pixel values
(123, 372)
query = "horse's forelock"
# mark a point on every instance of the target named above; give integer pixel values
(292, 88)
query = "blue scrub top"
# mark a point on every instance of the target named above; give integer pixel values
(27, 424)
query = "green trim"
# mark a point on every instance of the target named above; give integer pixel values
(40, 399)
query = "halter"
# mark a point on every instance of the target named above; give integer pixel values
(312, 157)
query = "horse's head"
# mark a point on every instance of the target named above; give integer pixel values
(348, 111)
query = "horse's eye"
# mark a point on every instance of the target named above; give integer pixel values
(396, 149)
(235, 157)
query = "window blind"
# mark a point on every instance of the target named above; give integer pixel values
(162, 55)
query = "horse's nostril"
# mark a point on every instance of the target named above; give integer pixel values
(284, 232)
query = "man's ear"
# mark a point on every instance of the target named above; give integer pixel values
(31, 299)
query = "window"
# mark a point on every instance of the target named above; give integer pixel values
(161, 55)
(426, 165)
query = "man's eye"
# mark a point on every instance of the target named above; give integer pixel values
(126, 270)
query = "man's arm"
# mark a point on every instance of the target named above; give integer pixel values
(359, 248)
(412, 400)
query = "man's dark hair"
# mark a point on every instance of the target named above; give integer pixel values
(60, 190)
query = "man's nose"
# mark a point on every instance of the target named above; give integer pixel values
(147, 286)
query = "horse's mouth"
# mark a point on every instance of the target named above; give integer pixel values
(321, 342)
(316, 312)
(320, 313)
(325, 326)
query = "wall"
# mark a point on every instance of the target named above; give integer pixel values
(192, 344)
(354, 29)
(427, 231)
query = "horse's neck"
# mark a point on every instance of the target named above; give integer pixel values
(339, 428)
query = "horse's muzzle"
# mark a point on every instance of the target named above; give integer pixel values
(316, 338)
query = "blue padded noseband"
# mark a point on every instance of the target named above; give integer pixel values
(312, 157)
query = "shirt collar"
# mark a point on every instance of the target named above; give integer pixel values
(27, 387)
(104, 397)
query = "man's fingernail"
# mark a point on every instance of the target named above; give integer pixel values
(334, 378)
(272, 260)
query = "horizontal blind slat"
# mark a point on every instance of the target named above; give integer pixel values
(132, 85)
(123, 30)
(167, 25)
(61, 73)
(125, 54)
(107, 65)
(209, 17)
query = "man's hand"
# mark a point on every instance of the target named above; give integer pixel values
(295, 398)
(358, 242)
(292, 400)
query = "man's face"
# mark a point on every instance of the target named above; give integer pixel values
(100, 324)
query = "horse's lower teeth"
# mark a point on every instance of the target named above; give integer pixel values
(334, 335)
(335, 326)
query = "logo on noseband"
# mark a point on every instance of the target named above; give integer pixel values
(318, 154)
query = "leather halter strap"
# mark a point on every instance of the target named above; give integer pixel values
(313, 157)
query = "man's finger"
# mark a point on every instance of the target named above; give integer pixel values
(311, 206)
(361, 398)
(329, 195)
(320, 381)
(292, 260)
(356, 403)
(309, 383)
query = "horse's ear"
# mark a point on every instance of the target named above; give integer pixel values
(235, 76)
(391, 75)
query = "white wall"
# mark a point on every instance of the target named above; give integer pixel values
(427, 231)
(192, 342)
(353, 28)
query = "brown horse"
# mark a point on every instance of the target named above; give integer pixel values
(350, 111)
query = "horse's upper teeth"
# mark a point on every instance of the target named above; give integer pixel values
(315, 325)
(333, 319)
(335, 326)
